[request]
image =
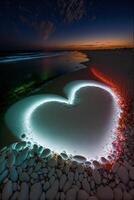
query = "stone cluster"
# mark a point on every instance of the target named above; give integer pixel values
(37, 173)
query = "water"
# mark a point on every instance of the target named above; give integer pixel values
(23, 73)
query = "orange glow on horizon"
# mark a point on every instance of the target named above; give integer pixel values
(86, 44)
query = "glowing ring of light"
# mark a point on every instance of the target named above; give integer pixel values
(70, 101)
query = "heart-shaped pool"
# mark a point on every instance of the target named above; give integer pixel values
(84, 123)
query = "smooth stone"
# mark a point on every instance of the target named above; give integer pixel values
(93, 198)
(3, 166)
(52, 179)
(96, 176)
(52, 162)
(127, 196)
(71, 194)
(20, 145)
(131, 173)
(104, 193)
(37, 167)
(43, 196)
(46, 153)
(36, 191)
(7, 190)
(15, 196)
(117, 193)
(64, 156)
(123, 174)
(82, 195)
(67, 185)
(46, 186)
(3, 175)
(24, 191)
(13, 174)
(79, 159)
(70, 176)
(22, 156)
(63, 179)
(11, 159)
(52, 192)
(86, 185)
(24, 177)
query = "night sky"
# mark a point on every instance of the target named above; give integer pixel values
(50, 24)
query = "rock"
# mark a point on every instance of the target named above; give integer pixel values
(131, 173)
(24, 191)
(36, 191)
(82, 195)
(52, 162)
(71, 194)
(123, 174)
(79, 159)
(20, 145)
(46, 186)
(3, 175)
(93, 198)
(127, 196)
(86, 185)
(64, 156)
(67, 186)
(24, 177)
(96, 176)
(63, 179)
(117, 193)
(11, 159)
(7, 190)
(13, 174)
(52, 192)
(104, 193)
(15, 196)
(62, 196)
(43, 196)
(3, 166)
(46, 153)
(22, 155)
(70, 176)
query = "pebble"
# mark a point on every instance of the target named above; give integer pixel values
(96, 176)
(46, 186)
(123, 174)
(52, 192)
(7, 190)
(71, 194)
(86, 185)
(13, 174)
(64, 156)
(11, 159)
(22, 155)
(52, 162)
(3, 166)
(117, 194)
(131, 173)
(36, 191)
(3, 175)
(104, 193)
(63, 179)
(79, 159)
(15, 196)
(43, 196)
(46, 153)
(24, 191)
(82, 195)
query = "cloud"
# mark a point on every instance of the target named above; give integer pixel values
(71, 10)
(43, 28)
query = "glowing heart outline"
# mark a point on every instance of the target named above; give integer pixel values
(27, 124)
